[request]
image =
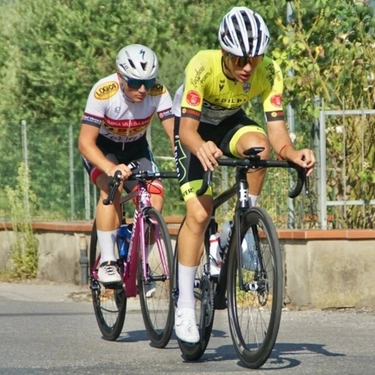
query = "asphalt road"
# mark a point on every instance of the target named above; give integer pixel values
(51, 329)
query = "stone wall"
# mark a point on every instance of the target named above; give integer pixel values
(323, 268)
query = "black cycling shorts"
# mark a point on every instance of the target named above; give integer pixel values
(224, 135)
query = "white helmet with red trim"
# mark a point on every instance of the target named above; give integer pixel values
(243, 32)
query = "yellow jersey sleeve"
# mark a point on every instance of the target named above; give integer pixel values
(268, 82)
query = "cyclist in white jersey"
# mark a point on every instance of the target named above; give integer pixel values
(118, 112)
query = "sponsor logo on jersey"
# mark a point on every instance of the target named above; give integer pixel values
(277, 114)
(276, 100)
(227, 102)
(167, 113)
(126, 131)
(221, 84)
(189, 112)
(89, 119)
(193, 98)
(200, 76)
(157, 90)
(246, 87)
(127, 123)
(106, 90)
(274, 116)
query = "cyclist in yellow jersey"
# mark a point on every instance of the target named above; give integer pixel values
(210, 122)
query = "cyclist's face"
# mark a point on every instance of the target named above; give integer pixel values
(241, 68)
(137, 95)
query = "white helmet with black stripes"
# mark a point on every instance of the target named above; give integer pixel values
(243, 32)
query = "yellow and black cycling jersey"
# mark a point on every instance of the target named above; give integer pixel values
(209, 96)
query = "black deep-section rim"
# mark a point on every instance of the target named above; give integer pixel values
(193, 352)
(250, 357)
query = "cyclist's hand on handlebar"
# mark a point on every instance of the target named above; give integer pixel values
(207, 155)
(305, 158)
(124, 169)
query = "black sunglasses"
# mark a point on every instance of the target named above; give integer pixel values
(137, 83)
(242, 61)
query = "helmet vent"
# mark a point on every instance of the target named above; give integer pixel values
(132, 64)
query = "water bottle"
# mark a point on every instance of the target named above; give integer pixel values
(249, 252)
(215, 258)
(123, 238)
(225, 234)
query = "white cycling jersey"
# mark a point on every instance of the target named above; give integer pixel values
(119, 119)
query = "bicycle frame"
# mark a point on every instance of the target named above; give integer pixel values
(138, 234)
(130, 265)
(251, 286)
(240, 188)
(243, 203)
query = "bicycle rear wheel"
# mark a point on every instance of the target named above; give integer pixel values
(155, 293)
(254, 309)
(204, 310)
(109, 302)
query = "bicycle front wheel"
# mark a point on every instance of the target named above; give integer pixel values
(109, 302)
(155, 291)
(255, 292)
(204, 310)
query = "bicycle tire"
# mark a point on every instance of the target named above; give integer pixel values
(205, 311)
(109, 302)
(156, 294)
(254, 315)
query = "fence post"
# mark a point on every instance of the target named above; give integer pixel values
(26, 161)
(322, 172)
(83, 259)
(291, 123)
(71, 165)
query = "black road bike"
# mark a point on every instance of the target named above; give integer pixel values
(253, 297)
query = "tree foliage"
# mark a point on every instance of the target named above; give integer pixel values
(53, 51)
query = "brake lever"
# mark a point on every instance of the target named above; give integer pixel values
(113, 184)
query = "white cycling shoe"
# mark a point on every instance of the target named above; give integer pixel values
(185, 326)
(108, 273)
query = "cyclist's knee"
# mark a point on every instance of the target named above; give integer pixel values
(197, 216)
(248, 140)
(157, 201)
(156, 188)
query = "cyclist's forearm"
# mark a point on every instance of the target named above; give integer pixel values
(191, 140)
(189, 136)
(96, 157)
(168, 125)
(279, 139)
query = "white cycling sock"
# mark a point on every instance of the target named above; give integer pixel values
(106, 241)
(254, 200)
(186, 276)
